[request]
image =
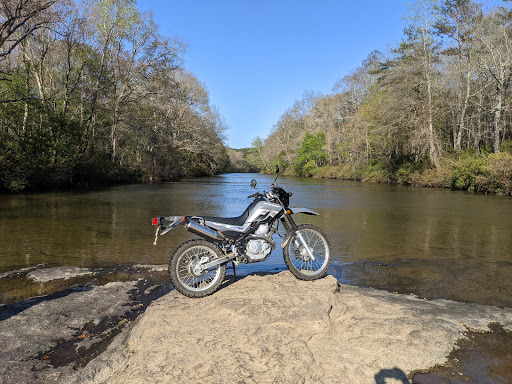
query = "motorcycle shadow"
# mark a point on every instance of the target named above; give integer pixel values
(231, 279)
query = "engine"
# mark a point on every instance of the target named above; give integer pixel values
(256, 249)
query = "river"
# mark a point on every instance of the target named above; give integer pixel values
(433, 243)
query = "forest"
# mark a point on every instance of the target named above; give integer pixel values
(92, 94)
(433, 111)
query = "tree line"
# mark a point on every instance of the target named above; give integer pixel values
(434, 110)
(91, 93)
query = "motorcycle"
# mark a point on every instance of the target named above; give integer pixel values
(197, 267)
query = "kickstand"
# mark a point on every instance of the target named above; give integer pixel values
(234, 270)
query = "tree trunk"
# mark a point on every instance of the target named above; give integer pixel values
(462, 115)
(113, 132)
(497, 121)
(431, 133)
(427, 64)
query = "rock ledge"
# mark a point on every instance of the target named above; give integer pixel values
(277, 329)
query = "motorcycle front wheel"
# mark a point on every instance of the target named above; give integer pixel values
(185, 272)
(298, 259)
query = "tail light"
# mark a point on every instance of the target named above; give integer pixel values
(155, 221)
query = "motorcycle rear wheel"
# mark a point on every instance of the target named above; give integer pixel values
(183, 269)
(296, 256)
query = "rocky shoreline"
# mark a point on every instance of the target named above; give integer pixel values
(259, 329)
(79, 311)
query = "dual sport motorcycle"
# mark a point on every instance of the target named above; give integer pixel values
(198, 266)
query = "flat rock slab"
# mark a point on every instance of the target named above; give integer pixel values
(152, 267)
(48, 274)
(277, 329)
(35, 326)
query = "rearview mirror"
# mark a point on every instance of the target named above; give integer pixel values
(253, 183)
(277, 169)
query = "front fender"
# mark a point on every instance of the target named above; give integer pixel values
(289, 235)
(305, 211)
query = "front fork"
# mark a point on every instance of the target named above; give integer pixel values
(291, 228)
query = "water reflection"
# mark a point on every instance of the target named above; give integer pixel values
(430, 242)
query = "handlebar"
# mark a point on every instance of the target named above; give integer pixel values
(275, 191)
(257, 194)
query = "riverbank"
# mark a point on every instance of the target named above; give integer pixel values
(259, 329)
(490, 173)
(485, 174)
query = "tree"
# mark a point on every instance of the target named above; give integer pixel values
(95, 94)
(424, 49)
(311, 155)
(287, 133)
(20, 19)
(457, 22)
(255, 157)
(494, 34)
(356, 92)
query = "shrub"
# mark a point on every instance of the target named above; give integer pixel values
(466, 173)
(309, 168)
(499, 175)
(404, 173)
(377, 171)
(506, 146)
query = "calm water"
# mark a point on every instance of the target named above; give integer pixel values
(429, 242)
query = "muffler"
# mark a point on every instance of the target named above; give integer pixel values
(204, 232)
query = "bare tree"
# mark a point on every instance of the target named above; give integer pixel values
(457, 21)
(21, 18)
(422, 18)
(495, 37)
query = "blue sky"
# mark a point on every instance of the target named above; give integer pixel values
(257, 58)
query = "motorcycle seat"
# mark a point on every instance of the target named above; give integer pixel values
(237, 221)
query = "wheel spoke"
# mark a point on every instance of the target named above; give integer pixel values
(188, 276)
(300, 257)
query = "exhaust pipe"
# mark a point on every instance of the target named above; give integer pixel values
(204, 232)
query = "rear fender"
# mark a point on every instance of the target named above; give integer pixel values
(165, 223)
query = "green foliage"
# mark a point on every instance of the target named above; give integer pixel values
(377, 171)
(120, 15)
(405, 169)
(403, 175)
(311, 155)
(39, 146)
(414, 117)
(309, 168)
(467, 172)
(12, 88)
(487, 173)
(498, 178)
(96, 169)
(506, 146)
(106, 101)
